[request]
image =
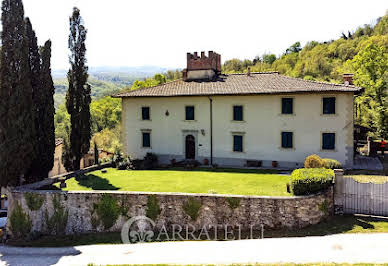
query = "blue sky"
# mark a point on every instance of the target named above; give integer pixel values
(156, 32)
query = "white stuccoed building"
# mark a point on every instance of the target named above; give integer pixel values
(233, 119)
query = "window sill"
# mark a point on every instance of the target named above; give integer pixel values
(190, 121)
(240, 152)
(326, 150)
(330, 115)
(147, 120)
(238, 121)
(289, 115)
(146, 148)
(287, 149)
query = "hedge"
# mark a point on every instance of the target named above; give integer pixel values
(313, 161)
(332, 164)
(307, 181)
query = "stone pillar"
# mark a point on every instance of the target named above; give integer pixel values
(338, 191)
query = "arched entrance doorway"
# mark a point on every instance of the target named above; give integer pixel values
(190, 147)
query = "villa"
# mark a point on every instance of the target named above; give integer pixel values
(239, 119)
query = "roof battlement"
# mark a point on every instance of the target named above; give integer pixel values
(202, 67)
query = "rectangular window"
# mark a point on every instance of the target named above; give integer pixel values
(145, 113)
(328, 141)
(287, 106)
(238, 113)
(287, 140)
(190, 113)
(146, 139)
(328, 105)
(238, 143)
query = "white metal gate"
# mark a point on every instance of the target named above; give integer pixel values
(353, 197)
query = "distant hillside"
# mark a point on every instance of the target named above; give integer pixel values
(100, 88)
(104, 80)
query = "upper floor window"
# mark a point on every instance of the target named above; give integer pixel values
(328, 104)
(238, 143)
(145, 113)
(190, 113)
(287, 140)
(287, 106)
(328, 141)
(238, 113)
(146, 140)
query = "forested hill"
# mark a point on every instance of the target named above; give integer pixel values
(363, 52)
(99, 88)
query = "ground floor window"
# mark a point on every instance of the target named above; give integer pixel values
(146, 140)
(328, 141)
(238, 143)
(287, 140)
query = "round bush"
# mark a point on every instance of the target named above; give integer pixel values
(308, 181)
(331, 164)
(313, 161)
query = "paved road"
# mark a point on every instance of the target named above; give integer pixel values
(369, 248)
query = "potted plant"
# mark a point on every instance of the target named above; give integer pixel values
(274, 164)
(206, 161)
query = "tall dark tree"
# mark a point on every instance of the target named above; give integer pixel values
(16, 116)
(46, 136)
(37, 98)
(78, 95)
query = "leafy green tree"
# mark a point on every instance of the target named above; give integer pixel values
(16, 117)
(371, 72)
(295, 48)
(160, 79)
(105, 113)
(269, 58)
(78, 96)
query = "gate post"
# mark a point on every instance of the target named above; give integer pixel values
(338, 191)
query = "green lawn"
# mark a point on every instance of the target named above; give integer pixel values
(369, 178)
(218, 181)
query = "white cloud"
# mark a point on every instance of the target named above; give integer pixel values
(155, 32)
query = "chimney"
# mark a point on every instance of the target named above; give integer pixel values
(348, 79)
(249, 72)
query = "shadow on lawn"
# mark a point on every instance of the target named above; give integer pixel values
(333, 225)
(229, 170)
(95, 182)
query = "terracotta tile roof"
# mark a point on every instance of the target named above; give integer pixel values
(239, 84)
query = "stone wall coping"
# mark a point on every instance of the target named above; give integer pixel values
(101, 192)
(56, 179)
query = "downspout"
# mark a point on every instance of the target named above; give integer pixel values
(211, 131)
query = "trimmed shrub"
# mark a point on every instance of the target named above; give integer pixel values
(309, 181)
(150, 161)
(331, 164)
(20, 222)
(313, 161)
(192, 207)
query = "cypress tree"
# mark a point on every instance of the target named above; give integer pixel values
(96, 155)
(37, 99)
(16, 116)
(46, 142)
(78, 95)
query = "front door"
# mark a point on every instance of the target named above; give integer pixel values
(190, 147)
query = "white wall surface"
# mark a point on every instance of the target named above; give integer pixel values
(262, 126)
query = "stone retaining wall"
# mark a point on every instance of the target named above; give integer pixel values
(84, 210)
